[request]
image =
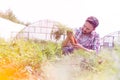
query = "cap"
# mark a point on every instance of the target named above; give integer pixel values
(93, 20)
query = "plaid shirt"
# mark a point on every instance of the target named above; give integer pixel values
(90, 41)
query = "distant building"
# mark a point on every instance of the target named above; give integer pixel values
(109, 41)
(40, 30)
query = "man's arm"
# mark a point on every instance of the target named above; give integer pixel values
(65, 42)
(78, 46)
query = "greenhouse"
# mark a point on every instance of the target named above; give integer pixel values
(109, 40)
(40, 30)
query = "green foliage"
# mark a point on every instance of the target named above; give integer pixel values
(21, 53)
(117, 49)
(61, 31)
(50, 50)
(103, 64)
(11, 16)
(17, 54)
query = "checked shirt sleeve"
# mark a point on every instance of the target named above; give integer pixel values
(96, 43)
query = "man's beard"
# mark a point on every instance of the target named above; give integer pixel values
(84, 32)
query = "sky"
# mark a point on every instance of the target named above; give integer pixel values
(72, 13)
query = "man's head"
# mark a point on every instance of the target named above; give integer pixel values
(90, 24)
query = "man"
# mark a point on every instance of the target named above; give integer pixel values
(86, 36)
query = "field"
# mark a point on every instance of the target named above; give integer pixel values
(43, 60)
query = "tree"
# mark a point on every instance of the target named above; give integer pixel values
(11, 16)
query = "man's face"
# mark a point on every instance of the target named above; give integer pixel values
(87, 28)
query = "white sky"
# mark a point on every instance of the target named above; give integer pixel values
(69, 12)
